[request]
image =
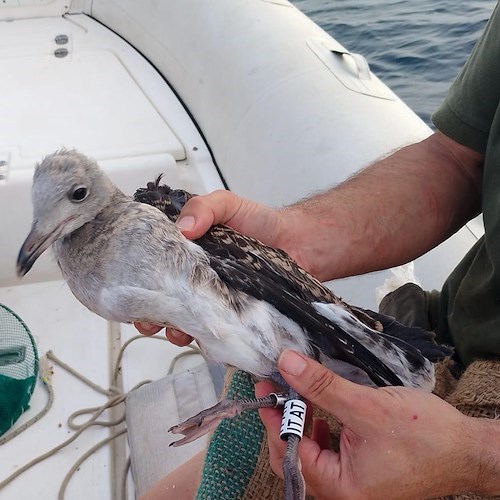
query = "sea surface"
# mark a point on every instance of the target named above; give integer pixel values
(416, 47)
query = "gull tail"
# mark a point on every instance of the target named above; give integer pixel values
(408, 351)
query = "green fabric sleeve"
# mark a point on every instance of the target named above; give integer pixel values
(234, 448)
(468, 110)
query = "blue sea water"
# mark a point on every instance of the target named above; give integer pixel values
(416, 47)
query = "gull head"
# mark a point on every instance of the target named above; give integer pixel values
(68, 191)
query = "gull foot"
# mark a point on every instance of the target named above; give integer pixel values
(207, 420)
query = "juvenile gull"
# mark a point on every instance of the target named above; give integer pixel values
(242, 301)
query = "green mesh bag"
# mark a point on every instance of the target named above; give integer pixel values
(18, 367)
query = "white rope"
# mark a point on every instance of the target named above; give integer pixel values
(115, 397)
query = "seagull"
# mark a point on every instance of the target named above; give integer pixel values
(244, 302)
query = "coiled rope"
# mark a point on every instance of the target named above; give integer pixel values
(115, 398)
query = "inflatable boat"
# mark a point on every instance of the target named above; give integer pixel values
(246, 95)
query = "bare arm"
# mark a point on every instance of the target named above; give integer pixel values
(182, 482)
(391, 212)
(387, 214)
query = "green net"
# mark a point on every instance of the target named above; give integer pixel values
(18, 367)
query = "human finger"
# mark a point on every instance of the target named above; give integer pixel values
(147, 328)
(321, 433)
(177, 337)
(341, 398)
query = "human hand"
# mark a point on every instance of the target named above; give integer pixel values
(395, 442)
(224, 207)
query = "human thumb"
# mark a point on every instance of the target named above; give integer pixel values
(322, 387)
(202, 212)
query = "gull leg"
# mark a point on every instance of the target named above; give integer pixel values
(207, 420)
(292, 428)
(294, 480)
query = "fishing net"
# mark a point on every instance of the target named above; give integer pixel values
(18, 367)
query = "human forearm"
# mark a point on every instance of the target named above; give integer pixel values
(182, 482)
(389, 213)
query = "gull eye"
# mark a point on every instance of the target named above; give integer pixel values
(79, 193)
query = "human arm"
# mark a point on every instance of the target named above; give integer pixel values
(182, 482)
(395, 442)
(387, 214)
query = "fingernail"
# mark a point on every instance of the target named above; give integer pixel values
(292, 363)
(186, 223)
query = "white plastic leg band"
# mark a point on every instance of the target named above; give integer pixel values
(294, 418)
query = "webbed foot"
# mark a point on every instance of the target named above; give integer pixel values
(207, 420)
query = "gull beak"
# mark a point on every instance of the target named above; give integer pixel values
(35, 244)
